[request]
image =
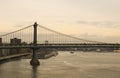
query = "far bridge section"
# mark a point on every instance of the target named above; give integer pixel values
(81, 47)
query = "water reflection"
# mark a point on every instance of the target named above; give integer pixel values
(34, 71)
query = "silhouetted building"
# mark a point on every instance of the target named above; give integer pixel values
(4, 52)
(0, 45)
(15, 42)
(46, 42)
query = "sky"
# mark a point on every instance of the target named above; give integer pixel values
(88, 19)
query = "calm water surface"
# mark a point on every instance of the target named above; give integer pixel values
(66, 65)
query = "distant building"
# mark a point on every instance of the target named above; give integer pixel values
(46, 42)
(0, 45)
(3, 52)
(15, 41)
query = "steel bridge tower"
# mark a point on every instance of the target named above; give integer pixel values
(34, 61)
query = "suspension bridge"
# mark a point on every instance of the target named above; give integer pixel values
(38, 37)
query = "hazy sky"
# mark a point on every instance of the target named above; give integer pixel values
(91, 19)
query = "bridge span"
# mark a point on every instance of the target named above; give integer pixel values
(39, 37)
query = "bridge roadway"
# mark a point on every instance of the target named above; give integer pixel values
(101, 45)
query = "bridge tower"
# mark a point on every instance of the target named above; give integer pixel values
(34, 61)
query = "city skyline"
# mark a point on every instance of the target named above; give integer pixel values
(91, 19)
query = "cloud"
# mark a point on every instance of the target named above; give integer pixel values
(82, 22)
(108, 24)
(18, 26)
(88, 35)
(99, 38)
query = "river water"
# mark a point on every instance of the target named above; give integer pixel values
(66, 65)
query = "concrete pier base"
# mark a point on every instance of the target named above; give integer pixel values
(34, 62)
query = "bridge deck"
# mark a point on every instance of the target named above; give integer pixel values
(62, 46)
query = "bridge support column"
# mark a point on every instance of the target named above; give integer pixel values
(35, 61)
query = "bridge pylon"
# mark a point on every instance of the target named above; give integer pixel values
(34, 61)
